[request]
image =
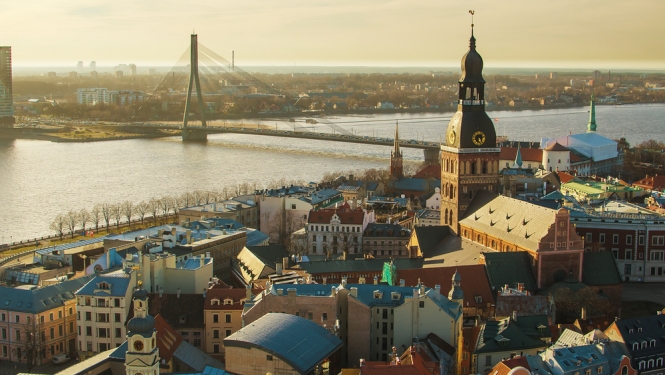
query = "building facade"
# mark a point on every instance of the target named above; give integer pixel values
(6, 99)
(386, 240)
(337, 230)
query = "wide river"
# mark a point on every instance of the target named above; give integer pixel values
(39, 179)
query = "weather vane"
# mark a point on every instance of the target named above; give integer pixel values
(472, 12)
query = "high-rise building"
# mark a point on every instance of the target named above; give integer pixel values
(6, 101)
(93, 65)
(132, 69)
(470, 159)
(79, 66)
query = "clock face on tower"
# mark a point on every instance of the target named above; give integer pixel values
(478, 138)
(451, 137)
(138, 345)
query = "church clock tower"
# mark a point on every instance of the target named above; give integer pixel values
(470, 158)
(142, 356)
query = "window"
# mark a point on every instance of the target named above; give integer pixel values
(421, 304)
(60, 329)
(17, 319)
(601, 238)
(215, 318)
(640, 241)
(324, 316)
(117, 317)
(268, 357)
(588, 237)
(657, 255)
(116, 302)
(488, 360)
(228, 318)
(227, 332)
(615, 239)
(310, 316)
(293, 206)
(197, 342)
(88, 315)
(629, 239)
(4, 333)
(658, 240)
(215, 348)
(118, 332)
(88, 331)
(215, 334)
(71, 327)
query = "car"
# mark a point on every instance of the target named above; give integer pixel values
(61, 358)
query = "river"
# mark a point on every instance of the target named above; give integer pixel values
(40, 179)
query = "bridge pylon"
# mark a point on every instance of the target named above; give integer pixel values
(189, 134)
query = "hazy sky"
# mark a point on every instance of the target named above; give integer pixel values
(510, 33)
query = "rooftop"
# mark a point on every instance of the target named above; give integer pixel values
(358, 265)
(113, 284)
(510, 268)
(300, 343)
(37, 300)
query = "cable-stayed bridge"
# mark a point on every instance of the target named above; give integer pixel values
(209, 74)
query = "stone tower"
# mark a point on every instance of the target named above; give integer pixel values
(142, 356)
(470, 158)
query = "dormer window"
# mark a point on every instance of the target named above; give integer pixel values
(378, 294)
(395, 296)
(214, 302)
(639, 329)
(479, 299)
(104, 285)
(228, 301)
(630, 330)
(182, 319)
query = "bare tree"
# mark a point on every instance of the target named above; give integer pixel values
(96, 216)
(141, 210)
(106, 214)
(32, 345)
(153, 205)
(58, 225)
(72, 218)
(116, 213)
(165, 206)
(128, 212)
(84, 218)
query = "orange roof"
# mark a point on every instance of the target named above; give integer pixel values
(432, 170)
(474, 281)
(504, 367)
(346, 215)
(528, 154)
(236, 294)
(565, 177)
(651, 182)
(556, 146)
(168, 339)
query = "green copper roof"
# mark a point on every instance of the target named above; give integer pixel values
(518, 157)
(591, 127)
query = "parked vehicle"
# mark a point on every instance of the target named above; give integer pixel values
(60, 358)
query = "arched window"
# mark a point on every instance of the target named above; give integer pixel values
(650, 363)
(641, 365)
(624, 370)
(445, 217)
(474, 169)
(450, 220)
(484, 171)
(468, 93)
(475, 93)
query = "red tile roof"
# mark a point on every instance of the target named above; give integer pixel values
(474, 281)
(565, 177)
(346, 215)
(556, 147)
(651, 183)
(528, 154)
(168, 339)
(432, 170)
(235, 294)
(504, 367)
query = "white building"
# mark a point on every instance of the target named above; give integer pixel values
(556, 157)
(337, 230)
(92, 96)
(101, 307)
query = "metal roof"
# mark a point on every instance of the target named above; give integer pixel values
(359, 265)
(118, 285)
(40, 299)
(71, 245)
(299, 342)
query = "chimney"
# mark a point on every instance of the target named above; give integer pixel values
(173, 232)
(376, 280)
(361, 280)
(285, 263)
(208, 235)
(188, 234)
(160, 233)
(583, 313)
(248, 292)
(344, 282)
(506, 288)
(178, 293)
(601, 348)
(278, 268)
(291, 292)
(354, 292)
(520, 287)
(203, 260)
(514, 315)
(324, 280)
(422, 289)
(437, 287)
(362, 362)
(161, 291)
(402, 282)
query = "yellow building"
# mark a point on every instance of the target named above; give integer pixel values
(223, 317)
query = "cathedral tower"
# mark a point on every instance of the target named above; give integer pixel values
(470, 158)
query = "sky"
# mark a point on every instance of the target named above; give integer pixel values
(510, 33)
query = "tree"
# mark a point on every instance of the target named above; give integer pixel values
(72, 218)
(116, 214)
(106, 214)
(153, 207)
(141, 210)
(165, 206)
(33, 345)
(58, 225)
(128, 211)
(84, 218)
(96, 216)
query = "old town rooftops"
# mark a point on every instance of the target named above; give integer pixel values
(344, 214)
(41, 299)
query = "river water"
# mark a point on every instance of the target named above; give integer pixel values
(40, 179)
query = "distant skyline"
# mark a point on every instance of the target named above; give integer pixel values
(581, 34)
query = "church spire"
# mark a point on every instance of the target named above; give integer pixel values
(396, 164)
(472, 40)
(591, 127)
(518, 157)
(396, 150)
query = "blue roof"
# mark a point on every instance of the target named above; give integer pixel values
(209, 370)
(367, 296)
(119, 282)
(255, 237)
(71, 245)
(415, 184)
(194, 263)
(299, 342)
(322, 195)
(40, 299)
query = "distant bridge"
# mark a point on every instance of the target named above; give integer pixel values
(430, 149)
